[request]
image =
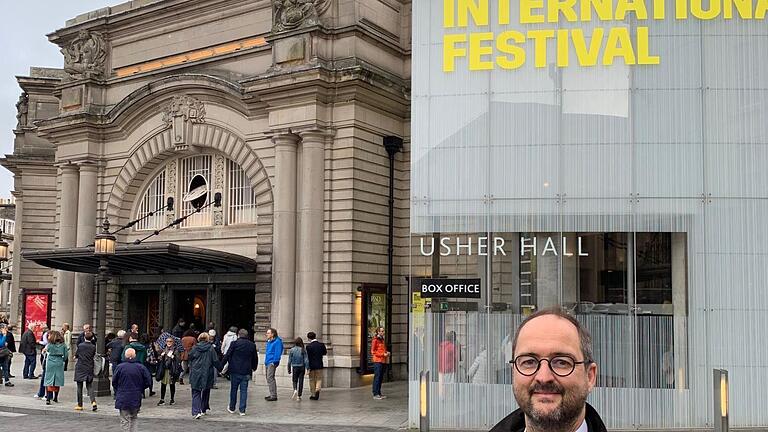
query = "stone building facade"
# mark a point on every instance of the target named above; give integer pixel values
(278, 107)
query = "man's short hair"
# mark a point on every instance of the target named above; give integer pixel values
(121, 334)
(311, 335)
(243, 333)
(585, 338)
(233, 329)
(130, 353)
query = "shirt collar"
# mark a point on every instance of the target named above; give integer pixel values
(582, 428)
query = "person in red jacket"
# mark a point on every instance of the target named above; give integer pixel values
(380, 359)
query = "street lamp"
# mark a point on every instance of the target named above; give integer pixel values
(103, 247)
(3, 248)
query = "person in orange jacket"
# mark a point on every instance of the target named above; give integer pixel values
(380, 359)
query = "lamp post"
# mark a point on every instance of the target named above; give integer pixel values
(103, 247)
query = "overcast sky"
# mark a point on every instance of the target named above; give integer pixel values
(23, 44)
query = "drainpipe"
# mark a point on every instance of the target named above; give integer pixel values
(393, 145)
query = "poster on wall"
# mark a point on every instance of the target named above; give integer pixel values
(375, 315)
(37, 312)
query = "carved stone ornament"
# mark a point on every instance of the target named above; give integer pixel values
(86, 55)
(22, 109)
(293, 14)
(180, 115)
(186, 107)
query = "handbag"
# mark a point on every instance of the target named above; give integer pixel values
(4, 352)
(98, 365)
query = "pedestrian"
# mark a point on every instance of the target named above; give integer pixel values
(188, 341)
(150, 360)
(274, 350)
(178, 330)
(28, 347)
(134, 328)
(43, 342)
(11, 342)
(446, 362)
(85, 355)
(315, 352)
(115, 349)
(298, 363)
(203, 363)
(552, 396)
(168, 369)
(380, 358)
(67, 333)
(5, 355)
(216, 342)
(54, 366)
(228, 338)
(242, 359)
(129, 380)
(478, 371)
(138, 347)
(81, 337)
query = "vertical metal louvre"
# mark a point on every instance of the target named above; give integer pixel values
(241, 203)
(153, 198)
(188, 168)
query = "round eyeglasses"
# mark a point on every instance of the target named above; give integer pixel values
(561, 366)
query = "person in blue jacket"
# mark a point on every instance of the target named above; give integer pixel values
(272, 361)
(129, 380)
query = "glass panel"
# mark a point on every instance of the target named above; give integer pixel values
(241, 199)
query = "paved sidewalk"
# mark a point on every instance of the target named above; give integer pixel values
(336, 407)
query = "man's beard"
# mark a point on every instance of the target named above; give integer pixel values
(561, 418)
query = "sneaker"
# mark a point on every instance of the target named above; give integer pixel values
(172, 403)
(94, 407)
(295, 394)
(198, 416)
(9, 384)
(271, 399)
(162, 402)
(298, 398)
(47, 401)
(151, 393)
(78, 408)
(36, 396)
(231, 411)
(242, 414)
(379, 397)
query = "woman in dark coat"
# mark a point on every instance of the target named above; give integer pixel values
(203, 362)
(85, 355)
(168, 369)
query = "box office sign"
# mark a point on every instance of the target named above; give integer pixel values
(449, 288)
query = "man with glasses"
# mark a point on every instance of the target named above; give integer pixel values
(553, 372)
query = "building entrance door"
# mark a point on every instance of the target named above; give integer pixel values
(192, 305)
(237, 309)
(144, 310)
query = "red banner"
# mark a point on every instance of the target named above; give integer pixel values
(36, 312)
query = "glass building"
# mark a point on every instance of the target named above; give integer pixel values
(632, 195)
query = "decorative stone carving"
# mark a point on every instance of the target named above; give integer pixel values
(218, 186)
(22, 108)
(293, 14)
(180, 115)
(86, 55)
(170, 187)
(186, 107)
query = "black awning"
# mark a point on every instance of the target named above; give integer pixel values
(142, 259)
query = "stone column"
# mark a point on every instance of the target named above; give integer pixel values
(65, 281)
(309, 277)
(15, 291)
(86, 231)
(284, 240)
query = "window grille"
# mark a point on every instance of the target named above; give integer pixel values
(241, 198)
(154, 198)
(189, 168)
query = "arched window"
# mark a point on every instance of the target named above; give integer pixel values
(212, 172)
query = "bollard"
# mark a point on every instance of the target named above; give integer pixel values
(720, 400)
(424, 401)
